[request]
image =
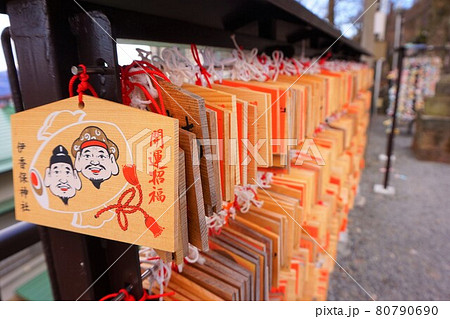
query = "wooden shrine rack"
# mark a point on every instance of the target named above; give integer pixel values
(50, 36)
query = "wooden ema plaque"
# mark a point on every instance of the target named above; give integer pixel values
(189, 109)
(106, 170)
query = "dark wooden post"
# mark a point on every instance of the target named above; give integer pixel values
(47, 46)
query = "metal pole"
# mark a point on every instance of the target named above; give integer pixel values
(390, 145)
(12, 70)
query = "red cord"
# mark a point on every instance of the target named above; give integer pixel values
(83, 86)
(174, 267)
(262, 59)
(127, 296)
(296, 66)
(128, 86)
(153, 297)
(203, 70)
(110, 296)
(325, 58)
(154, 258)
(123, 209)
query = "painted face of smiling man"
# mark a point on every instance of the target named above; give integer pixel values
(60, 176)
(95, 155)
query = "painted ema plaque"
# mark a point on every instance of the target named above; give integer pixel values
(106, 170)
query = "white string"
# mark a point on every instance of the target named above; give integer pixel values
(147, 252)
(264, 179)
(137, 97)
(243, 65)
(313, 68)
(177, 67)
(247, 66)
(194, 256)
(246, 196)
(218, 220)
(214, 66)
(144, 54)
(292, 67)
(162, 276)
(277, 62)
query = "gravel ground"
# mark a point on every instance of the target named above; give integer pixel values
(398, 247)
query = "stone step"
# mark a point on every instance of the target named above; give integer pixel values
(432, 138)
(437, 105)
(443, 88)
(445, 78)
